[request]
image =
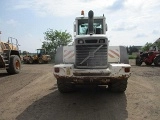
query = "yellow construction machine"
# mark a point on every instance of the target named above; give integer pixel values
(40, 57)
(10, 56)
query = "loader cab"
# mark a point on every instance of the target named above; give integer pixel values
(41, 52)
(91, 42)
(81, 26)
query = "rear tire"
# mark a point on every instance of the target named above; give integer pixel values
(138, 61)
(118, 85)
(14, 65)
(64, 86)
(40, 61)
(30, 61)
(157, 61)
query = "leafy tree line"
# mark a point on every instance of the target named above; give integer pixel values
(146, 47)
(55, 39)
(132, 49)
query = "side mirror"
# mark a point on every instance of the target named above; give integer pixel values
(74, 27)
(106, 27)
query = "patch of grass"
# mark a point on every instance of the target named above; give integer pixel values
(133, 56)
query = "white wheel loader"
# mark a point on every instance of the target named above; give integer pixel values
(90, 60)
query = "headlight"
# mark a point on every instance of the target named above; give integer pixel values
(80, 41)
(102, 41)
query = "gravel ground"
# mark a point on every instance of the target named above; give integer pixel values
(33, 95)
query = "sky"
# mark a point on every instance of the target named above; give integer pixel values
(130, 22)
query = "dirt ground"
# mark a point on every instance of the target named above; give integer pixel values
(33, 95)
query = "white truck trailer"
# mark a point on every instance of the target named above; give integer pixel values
(90, 60)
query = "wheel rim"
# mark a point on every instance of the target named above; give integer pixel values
(40, 61)
(17, 65)
(30, 61)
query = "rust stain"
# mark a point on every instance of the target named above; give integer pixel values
(91, 80)
(93, 77)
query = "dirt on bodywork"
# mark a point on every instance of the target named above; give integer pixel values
(33, 95)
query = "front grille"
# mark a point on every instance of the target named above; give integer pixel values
(91, 55)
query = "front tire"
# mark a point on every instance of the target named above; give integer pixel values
(118, 85)
(40, 61)
(64, 86)
(148, 63)
(157, 61)
(14, 65)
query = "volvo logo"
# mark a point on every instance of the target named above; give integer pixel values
(91, 54)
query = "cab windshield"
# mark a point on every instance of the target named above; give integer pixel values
(41, 51)
(83, 26)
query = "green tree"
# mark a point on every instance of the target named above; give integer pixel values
(134, 49)
(130, 50)
(147, 46)
(127, 49)
(157, 44)
(25, 52)
(55, 39)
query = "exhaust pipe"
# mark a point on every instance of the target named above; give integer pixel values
(90, 22)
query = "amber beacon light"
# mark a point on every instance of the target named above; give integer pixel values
(82, 12)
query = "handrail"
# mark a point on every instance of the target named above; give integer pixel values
(11, 39)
